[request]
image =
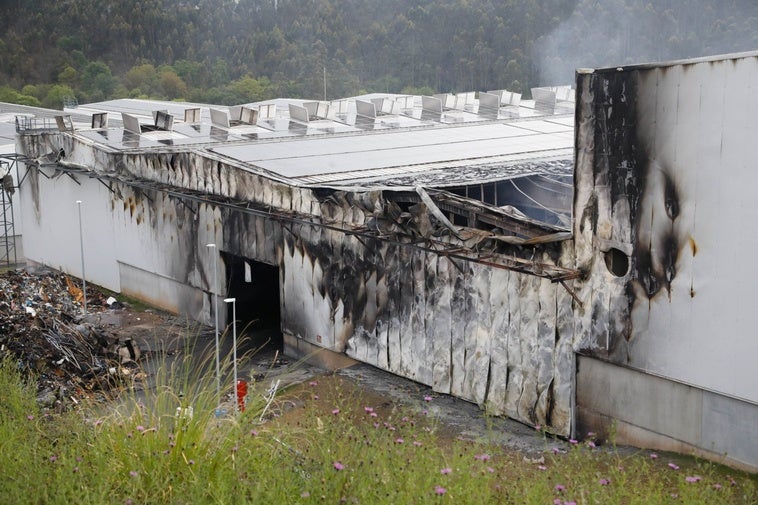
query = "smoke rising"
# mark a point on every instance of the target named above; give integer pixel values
(621, 32)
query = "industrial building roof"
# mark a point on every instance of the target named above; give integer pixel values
(370, 141)
(366, 140)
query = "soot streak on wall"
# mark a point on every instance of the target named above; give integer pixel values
(627, 201)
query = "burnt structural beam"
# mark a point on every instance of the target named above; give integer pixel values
(552, 272)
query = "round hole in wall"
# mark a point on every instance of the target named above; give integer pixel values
(617, 262)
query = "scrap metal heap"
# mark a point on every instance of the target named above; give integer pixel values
(43, 330)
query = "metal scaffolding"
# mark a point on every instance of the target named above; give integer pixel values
(8, 186)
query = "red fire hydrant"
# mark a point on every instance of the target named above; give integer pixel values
(241, 394)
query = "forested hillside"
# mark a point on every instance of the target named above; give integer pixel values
(235, 51)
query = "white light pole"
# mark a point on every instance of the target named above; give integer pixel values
(215, 313)
(81, 247)
(233, 301)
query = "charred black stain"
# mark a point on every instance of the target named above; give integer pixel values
(670, 197)
(693, 246)
(645, 273)
(670, 254)
(589, 214)
(616, 138)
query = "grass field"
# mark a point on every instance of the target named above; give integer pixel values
(326, 443)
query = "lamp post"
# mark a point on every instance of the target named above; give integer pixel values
(81, 248)
(233, 301)
(215, 313)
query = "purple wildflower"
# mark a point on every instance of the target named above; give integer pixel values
(440, 490)
(653, 456)
(427, 398)
(673, 466)
(313, 383)
(368, 409)
(133, 473)
(560, 488)
(140, 428)
(694, 478)
(482, 457)
(604, 482)
(399, 440)
(335, 411)
(30, 417)
(338, 466)
(446, 471)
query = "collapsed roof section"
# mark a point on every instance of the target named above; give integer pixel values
(468, 174)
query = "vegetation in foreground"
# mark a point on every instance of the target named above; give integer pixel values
(326, 444)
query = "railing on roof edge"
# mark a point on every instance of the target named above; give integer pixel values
(29, 124)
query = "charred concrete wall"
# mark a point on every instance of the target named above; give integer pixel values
(664, 179)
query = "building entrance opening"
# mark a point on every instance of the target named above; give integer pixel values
(255, 285)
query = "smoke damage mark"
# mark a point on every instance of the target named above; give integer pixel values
(671, 197)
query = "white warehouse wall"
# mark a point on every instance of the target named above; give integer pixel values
(133, 243)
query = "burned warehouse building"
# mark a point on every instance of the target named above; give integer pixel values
(573, 261)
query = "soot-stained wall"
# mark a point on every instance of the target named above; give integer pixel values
(496, 337)
(664, 217)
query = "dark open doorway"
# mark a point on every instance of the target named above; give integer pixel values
(255, 285)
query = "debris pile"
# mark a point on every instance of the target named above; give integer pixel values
(43, 328)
